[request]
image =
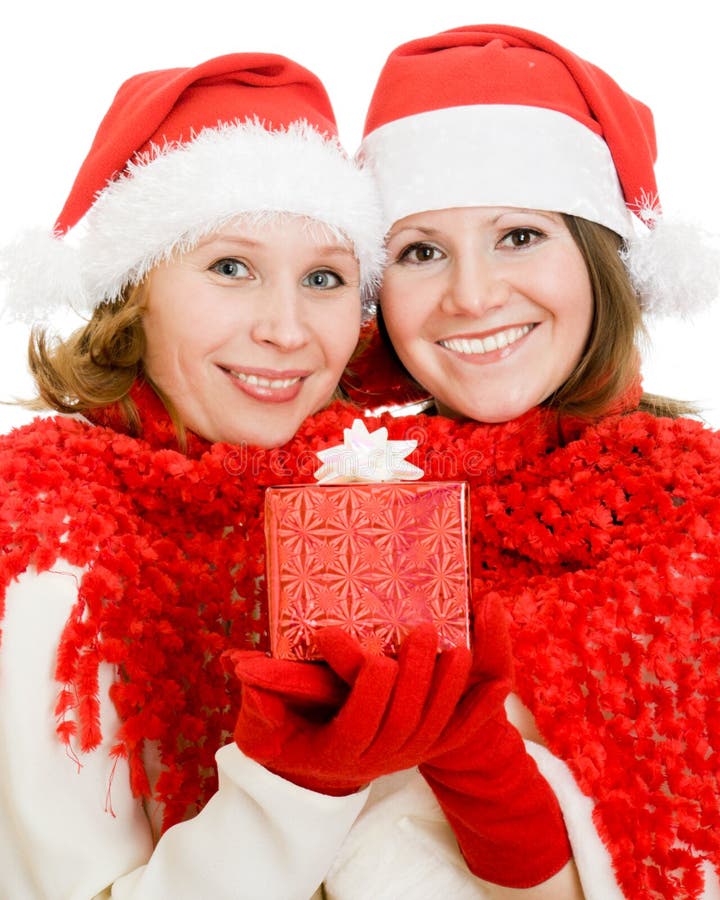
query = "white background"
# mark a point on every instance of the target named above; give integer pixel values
(61, 63)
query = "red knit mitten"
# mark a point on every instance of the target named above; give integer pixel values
(506, 818)
(301, 685)
(394, 711)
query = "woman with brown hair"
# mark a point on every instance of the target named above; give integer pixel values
(525, 242)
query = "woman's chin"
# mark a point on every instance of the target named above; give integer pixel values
(490, 413)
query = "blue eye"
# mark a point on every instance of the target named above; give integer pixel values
(322, 280)
(230, 268)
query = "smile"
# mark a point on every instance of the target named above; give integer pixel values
(496, 341)
(269, 383)
(266, 386)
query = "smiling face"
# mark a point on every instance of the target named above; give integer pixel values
(489, 308)
(248, 333)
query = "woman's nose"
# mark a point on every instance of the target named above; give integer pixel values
(474, 284)
(280, 318)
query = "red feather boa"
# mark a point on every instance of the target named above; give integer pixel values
(602, 541)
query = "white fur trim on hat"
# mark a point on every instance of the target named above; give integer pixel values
(170, 199)
(495, 155)
(535, 158)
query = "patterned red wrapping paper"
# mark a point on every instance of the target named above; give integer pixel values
(375, 559)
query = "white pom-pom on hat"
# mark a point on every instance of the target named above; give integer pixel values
(674, 267)
(41, 274)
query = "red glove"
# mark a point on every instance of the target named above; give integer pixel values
(311, 686)
(394, 712)
(505, 816)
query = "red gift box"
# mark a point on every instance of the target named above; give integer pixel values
(375, 559)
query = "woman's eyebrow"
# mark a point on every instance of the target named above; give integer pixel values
(421, 228)
(220, 238)
(336, 249)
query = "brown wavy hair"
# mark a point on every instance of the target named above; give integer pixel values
(610, 362)
(97, 364)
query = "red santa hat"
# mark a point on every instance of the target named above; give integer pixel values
(181, 151)
(492, 115)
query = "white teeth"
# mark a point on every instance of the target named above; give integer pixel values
(259, 381)
(501, 339)
(489, 343)
(485, 345)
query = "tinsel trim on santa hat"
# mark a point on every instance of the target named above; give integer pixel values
(172, 196)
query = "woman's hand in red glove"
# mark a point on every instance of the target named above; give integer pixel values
(301, 685)
(505, 816)
(394, 711)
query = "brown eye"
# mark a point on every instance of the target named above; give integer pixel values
(521, 237)
(420, 253)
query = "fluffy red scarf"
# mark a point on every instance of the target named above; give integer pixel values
(173, 548)
(601, 540)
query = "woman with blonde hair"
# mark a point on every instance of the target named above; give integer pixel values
(219, 240)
